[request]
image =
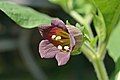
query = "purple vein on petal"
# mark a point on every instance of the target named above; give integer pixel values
(62, 58)
(47, 49)
(58, 23)
(77, 35)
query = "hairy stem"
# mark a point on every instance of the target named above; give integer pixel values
(102, 50)
(100, 69)
(97, 61)
(81, 21)
(96, 58)
(88, 52)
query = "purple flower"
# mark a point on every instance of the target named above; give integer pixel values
(59, 41)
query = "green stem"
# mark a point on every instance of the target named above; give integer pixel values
(102, 50)
(81, 21)
(77, 17)
(96, 58)
(97, 62)
(100, 69)
(88, 52)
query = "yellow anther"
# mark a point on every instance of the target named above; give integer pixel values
(58, 38)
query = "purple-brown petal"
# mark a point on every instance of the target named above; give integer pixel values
(62, 58)
(77, 35)
(72, 41)
(44, 29)
(58, 23)
(47, 49)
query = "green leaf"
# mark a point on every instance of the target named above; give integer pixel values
(118, 65)
(67, 22)
(82, 6)
(117, 77)
(65, 4)
(100, 26)
(84, 32)
(93, 42)
(116, 73)
(24, 16)
(110, 10)
(114, 44)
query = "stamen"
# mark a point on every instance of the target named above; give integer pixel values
(66, 48)
(59, 47)
(53, 36)
(58, 38)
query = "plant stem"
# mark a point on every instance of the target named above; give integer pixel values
(96, 58)
(100, 69)
(88, 52)
(81, 21)
(102, 50)
(97, 62)
(77, 17)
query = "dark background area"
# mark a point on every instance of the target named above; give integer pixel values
(19, 56)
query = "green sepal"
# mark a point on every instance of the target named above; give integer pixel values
(67, 22)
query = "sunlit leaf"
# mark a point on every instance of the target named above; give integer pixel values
(24, 16)
(116, 73)
(114, 44)
(117, 77)
(110, 10)
(100, 26)
(65, 4)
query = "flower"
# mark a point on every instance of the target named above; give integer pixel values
(59, 40)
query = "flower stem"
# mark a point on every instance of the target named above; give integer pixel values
(102, 50)
(97, 62)
(95, 57)
(100, 69)
(88, 52)
(77, 17)
(81, 21)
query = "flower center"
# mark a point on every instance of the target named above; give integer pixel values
(59, 38)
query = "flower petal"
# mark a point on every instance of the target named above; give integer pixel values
(58, 23)
(72, 41)
(75, 31)
(62, 58)
(47, 49)
(77, 35)
(44, 29)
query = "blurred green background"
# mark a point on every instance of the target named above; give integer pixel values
(19, 56)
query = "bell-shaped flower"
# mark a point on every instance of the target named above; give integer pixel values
(59, 40)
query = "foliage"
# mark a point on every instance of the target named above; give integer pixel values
(100, 26)
(104, 21)
(105, 15)
(110, 10)
(24, 16)
(114, 48)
